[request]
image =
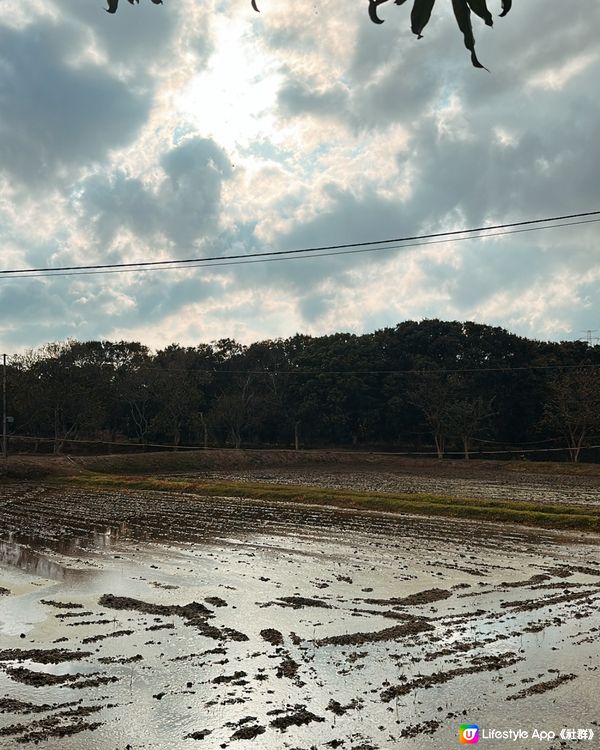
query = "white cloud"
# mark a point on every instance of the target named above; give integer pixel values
(196, 128)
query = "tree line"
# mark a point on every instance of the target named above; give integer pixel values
(429, 386)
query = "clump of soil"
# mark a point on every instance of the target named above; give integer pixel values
(272, 636)
(413, 627)
(297, 602)
(54, 726)
(232, 635)
(339, 710)
(67, 615)
(248, 733)
(164, 626)
(216, 601)
(229, 678)
(288, 668)
(10, 705)
(42, 656)
(297, 718)
(61, 605)
(120, 659)
(164, 586)
(116, 634)
(542, 687)
(199, 735)
(40, 679)
(43, 679)
(194, 614)
(93, 682)
(421, 597)
(530, 605)
(187, 611)
(3, 591)
(480, 664)
(539, 578)
(414, 730)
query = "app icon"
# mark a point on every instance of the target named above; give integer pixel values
(469, 734)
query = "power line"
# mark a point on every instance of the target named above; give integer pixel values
(414, 371)
(425, 372)
(344, 249)
(252, 259)
(173, 446)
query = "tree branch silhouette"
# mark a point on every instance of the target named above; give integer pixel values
(419, 17)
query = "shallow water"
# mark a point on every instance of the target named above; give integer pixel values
(74, 547)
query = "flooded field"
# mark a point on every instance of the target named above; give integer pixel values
(159, 620)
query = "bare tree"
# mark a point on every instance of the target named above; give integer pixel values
(467, 416)
(573, 407)
(430, 394)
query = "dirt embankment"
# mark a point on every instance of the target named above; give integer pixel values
(164, 462)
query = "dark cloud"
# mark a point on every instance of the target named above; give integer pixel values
(135, 40)
(298, 97)
(184, 207)
(57, 116)
(161, 294)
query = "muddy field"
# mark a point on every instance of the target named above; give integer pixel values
(453, 480)
(156, 620)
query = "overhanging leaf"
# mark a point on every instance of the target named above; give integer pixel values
(420, 16)
(421, 13)
(480, 9)
(463, 18)
(114, 4)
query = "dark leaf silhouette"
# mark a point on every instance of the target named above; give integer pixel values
(480, 8)
(373, 10)
(422, 10)
(114, 4)
(419, 17)
(421, 13)
(463, 17)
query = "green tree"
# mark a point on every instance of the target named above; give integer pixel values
(573, 407)
(180, 375)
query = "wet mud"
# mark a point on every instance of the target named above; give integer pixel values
(182, 621)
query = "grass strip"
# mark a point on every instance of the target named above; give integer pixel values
(557, 516)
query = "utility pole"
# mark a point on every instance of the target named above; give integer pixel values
(4, 440)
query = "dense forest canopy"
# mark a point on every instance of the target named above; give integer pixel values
(431, 386)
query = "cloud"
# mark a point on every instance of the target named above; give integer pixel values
(300, 98)
(339, 131)
(57, 116)
(183, 206)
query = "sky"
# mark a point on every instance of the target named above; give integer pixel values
(201, 128)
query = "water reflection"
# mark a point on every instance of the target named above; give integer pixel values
(18, 551)
(19, 556)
